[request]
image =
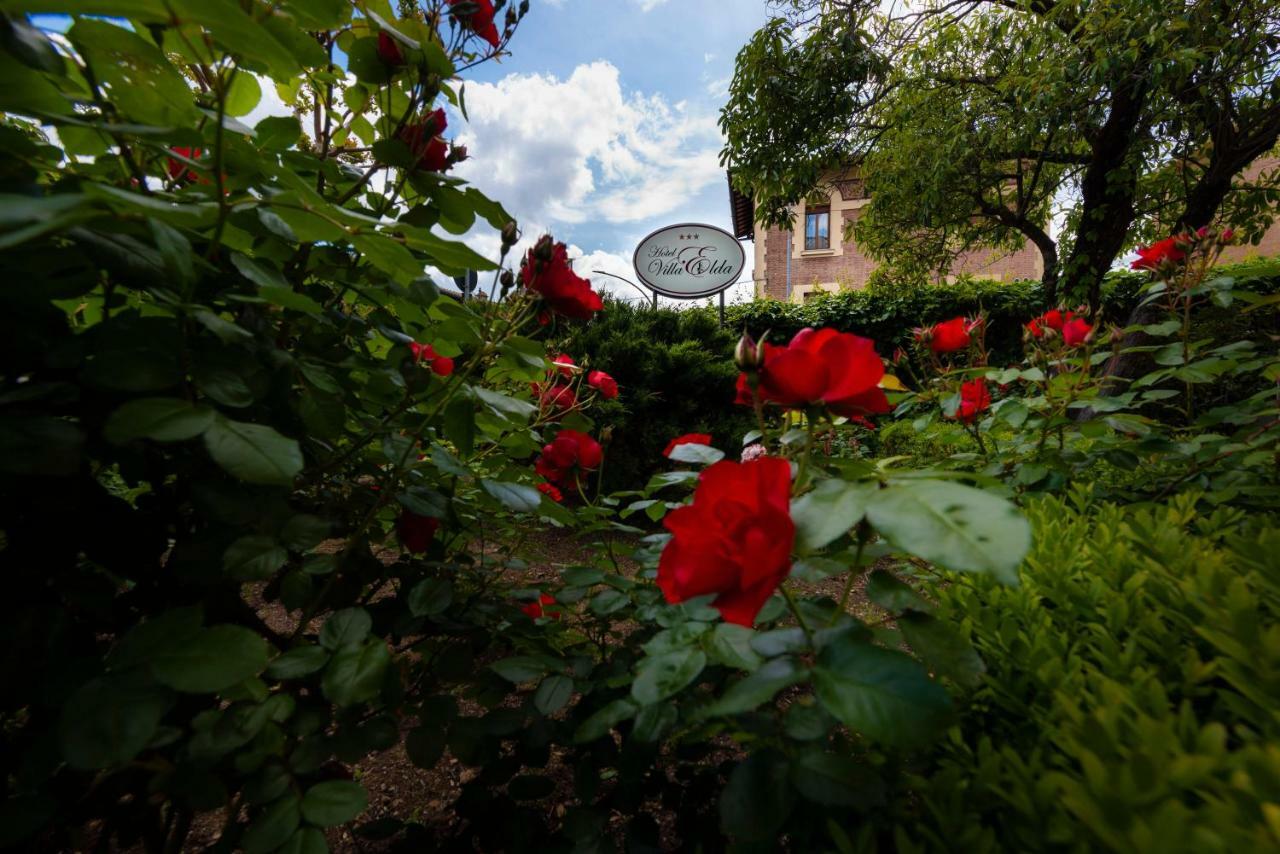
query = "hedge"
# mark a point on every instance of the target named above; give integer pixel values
(675, 370)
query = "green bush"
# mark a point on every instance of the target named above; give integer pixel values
(676, 377)
(888, 314)
(1131, 690)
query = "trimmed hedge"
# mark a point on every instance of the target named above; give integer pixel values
(676, 374)
(1130, 694)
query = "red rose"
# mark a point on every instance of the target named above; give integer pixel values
(422, 352)
(536, 609)
(568, 456)
(687, 439)
(1151, 257)
(546, 272)
(734, 540)
(416, 532)
(442, 366)
(1227, 235)
(605, 384)
(549, 490)
(426, 144)
(389, 50)
(1076, 331)
(975, 398)
(175, 168)
(556, 398)
(1053, 319)
(564, 364)
(823, 366)
(949, 336)
(480, 21)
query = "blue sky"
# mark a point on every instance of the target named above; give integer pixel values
(601, 126)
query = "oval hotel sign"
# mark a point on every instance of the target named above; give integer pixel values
(689, 260)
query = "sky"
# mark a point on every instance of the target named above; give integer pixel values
(600, 127)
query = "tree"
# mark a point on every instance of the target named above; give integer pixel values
(974, 122)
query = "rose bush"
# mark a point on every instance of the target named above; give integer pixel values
(297, 525)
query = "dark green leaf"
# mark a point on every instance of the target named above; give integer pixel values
(334, 802)
(164, 419)
(553, 694)
(659, 677)
(882, 694)
(253, 452)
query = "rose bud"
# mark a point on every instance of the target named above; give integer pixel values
(510, 234)
(544, 249)
(746, 354)
(1227, 236)
(507, 280)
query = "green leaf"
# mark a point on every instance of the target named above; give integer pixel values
(757, 688)
(211, 660)
(757, 800)
(885, 695)
(40, 445)
(653, 722)
(306, 840)
(430, 596)
(334, 802)
(243, 94)
(277, 133)
(253, 558)
(730, 644)
(304, 532)
(600, 723)
(520, 668)
(298, 662)
(828, 511)
(355, 673)
(108, 721)
(253, 452)
(942, 647)
(609, 602)
(661, 676)
(505, 405)
(890, 593)
(955, 526)
(553, 694)
(702, 455)
(346, 627)
(272, 827)
(516, 497)
(836, 780)
(164, 419)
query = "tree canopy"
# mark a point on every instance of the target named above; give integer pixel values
(975, 123)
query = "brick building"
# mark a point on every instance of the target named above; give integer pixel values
(793, 265)
(814, 257)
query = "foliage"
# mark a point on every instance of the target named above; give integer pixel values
(1115, 111)
(263, 485)
(669, 385)
(1128, 698)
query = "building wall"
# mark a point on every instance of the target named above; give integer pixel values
(844, 265)
(780, 255)
(1270, 244)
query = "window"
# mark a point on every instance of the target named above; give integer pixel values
(817, 227)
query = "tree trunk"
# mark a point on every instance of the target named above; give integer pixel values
(1107, 196)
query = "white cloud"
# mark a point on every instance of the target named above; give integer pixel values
(581, 149)
(649, 5)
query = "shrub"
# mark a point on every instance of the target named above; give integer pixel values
(675, 377)
(1130, 693)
